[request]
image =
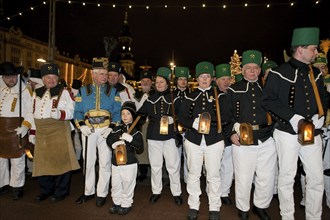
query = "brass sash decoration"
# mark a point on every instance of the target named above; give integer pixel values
(306, 130)
(120, 151)
(163, 125)
(316, 91)
(204, 123)
(246, 134)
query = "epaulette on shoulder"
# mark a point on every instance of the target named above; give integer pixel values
(29, 89)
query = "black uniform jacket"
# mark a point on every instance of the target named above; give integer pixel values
(139, 94)
(180, 95)
(157, 105)
(131, 148)
(288, 91)
(244, 103)
(196, 103)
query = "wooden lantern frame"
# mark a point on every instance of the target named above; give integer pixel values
(204, 123)
(246, 134)
(121, 154)
(306, 132)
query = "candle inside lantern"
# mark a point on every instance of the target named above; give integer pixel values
(180, 128)
(204, 123)
(121, 156)
(306, 132)
(246, 134)
(163, 125)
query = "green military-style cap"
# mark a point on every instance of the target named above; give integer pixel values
(204, 67)
(305, 36)
(321, 59)
(181, 71)
(251, 56)
(238, 77)
(222, 70)
(268, 65)
(164, 72)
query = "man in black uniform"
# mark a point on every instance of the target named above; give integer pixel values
(139, 97)
(289, 96)
(202, 148)
(180, 92)
(125, 91)
(257, 159)
(223, 75)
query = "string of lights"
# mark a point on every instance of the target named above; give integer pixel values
(165, 6)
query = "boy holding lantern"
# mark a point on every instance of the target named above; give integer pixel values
(124, 162)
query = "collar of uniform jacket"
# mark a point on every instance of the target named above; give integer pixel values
(203, 90)
(299, 65)
(53, 91)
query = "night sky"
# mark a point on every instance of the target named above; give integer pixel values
(195, 34)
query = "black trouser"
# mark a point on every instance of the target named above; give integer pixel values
(143, 169)
(55, 185)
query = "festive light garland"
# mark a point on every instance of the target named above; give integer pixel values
(147, 7)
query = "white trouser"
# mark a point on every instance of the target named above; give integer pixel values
(258, 162)
(275, 191)
(97, 145)
(226, 171)
(168, 150)
(16, 178)
(326, 165)
(123, 183)
(211, 155)
(288, 149)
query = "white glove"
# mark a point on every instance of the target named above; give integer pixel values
(236, 128)
(196, 123)
(170, 120)
(55, 114)
(22, 130)
(294, 122)
(326, 133)
(32, 139)
(85, 130)
(114, 145)
(105, 133)
(318, 122)
(127, 137)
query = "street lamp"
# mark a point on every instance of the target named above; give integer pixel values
(41, 60)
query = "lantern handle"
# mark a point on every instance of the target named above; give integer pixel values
(133, 124)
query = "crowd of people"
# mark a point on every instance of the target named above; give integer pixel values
(253, 131)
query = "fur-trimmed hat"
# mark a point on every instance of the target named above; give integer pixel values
(50, 68)
(130, 106)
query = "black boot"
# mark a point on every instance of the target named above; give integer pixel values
(17, 193)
